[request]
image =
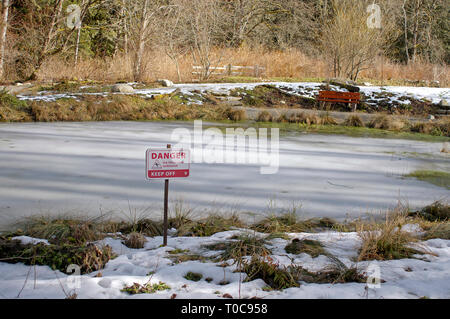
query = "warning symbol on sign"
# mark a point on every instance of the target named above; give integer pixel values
(157, 165)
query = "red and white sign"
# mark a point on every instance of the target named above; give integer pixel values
(167, 163)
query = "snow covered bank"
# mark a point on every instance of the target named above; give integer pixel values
(401, 95)
(427, 276)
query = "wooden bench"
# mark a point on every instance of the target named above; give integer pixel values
(339, 97)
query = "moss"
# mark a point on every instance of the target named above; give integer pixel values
(437, 178)
(193, 276)
(145, 289)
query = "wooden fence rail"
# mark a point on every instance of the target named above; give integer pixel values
(230, 70)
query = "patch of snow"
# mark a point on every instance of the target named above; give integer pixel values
(25, 240)
(404, 278)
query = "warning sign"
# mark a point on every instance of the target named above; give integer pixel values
(167, 163)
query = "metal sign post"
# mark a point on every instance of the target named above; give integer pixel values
(167, 164)
(166, 204)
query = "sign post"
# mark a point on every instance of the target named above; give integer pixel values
(167, 164)
(166, 204)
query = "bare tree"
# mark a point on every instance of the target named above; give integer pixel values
(203, 22)
(348, 42)
(3, 31)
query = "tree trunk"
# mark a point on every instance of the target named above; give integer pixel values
(4, 29)
(48, 39)
(141, 43)
(405, 17)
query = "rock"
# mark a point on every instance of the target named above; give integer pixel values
(345, 84)
(431, 117)
(166, 83)
(218, 93)
(444, 103)
(122, 88)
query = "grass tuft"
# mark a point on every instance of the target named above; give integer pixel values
(311, 247)
(386, 240)
(354, 121)
(135, 240)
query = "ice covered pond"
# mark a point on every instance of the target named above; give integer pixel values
(95, 167)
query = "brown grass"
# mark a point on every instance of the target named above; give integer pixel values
(354, 120)
(386, 122)
(291, 63)
(265, 116)
(135, 240)
(385, 240)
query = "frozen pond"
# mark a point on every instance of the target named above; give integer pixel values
(95, 167)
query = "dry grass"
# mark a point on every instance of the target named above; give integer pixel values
(440, 127)
(385, 240)
(235, 114)
(135, 240)
(326, 119)
(354, 121)
(385, 122)
(265, 116)
(291, 63)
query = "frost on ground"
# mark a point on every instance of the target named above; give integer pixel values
(427, 276)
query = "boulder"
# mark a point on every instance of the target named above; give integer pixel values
(345, 84)
(165, 82)
(122, 88)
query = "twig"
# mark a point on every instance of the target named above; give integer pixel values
(26, 280)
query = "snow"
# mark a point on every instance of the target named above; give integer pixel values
(25, 240)
(98, 167)
(306, 89)
(404, 278)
